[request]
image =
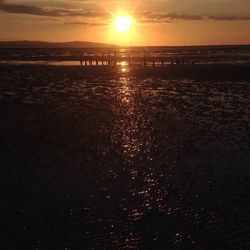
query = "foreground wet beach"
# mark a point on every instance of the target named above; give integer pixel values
(122, 162)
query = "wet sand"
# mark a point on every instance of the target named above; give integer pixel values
(223, 72)
(112, 160)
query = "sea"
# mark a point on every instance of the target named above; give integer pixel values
(234, 54)
(120, 161)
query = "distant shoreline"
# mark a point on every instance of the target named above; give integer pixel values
(86, 45)
(51, 45)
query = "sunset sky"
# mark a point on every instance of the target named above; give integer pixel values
(155, 22)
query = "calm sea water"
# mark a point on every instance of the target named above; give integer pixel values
(201, 54)
(123, 162)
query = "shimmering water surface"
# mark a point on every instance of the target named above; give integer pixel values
(123, 163)
(235, 54)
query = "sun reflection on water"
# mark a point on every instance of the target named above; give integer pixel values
(143, 178)
(130, 141)
(123, 63)
(136, 147)
(124, 67)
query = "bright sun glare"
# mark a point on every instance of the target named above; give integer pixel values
(123, 23)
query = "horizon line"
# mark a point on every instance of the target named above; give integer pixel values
(119, 45)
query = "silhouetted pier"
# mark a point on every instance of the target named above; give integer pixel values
(130, 59)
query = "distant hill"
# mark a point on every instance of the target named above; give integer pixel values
(39, 44)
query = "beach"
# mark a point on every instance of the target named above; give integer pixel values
(137, 160)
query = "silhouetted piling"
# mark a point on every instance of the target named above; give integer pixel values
(172, 61)
(114, 59)
(109, 59)
(102, 59)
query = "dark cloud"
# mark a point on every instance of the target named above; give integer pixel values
(51, 12)
(86, 23)
(159, 17)
(228, 18)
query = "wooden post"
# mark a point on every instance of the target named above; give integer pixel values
(162, 63)
(145, 62)
(115, 58)
(153, 62)
(109, 59)
(96, 61)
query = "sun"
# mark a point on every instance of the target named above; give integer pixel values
(122, 28)
(123, 23)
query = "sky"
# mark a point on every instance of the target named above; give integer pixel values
(155, 22)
